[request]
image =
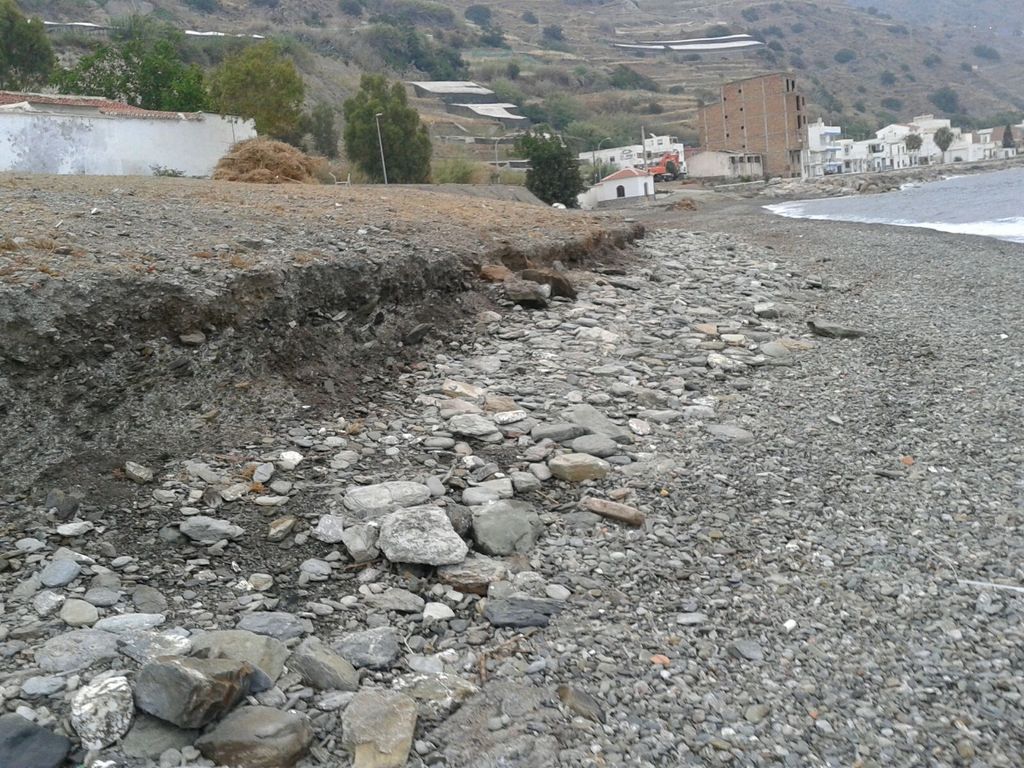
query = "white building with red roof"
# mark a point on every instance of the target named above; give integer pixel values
(54, 133)
(626, 186)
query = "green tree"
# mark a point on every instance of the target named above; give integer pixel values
(26, 58)
(261, 83)
(479, 15)
(943, 138)
(147, 74)
(554, 33)
(913, 141)
(946, 99)
(629, 79)
(405, 141)
(402, 46)
(554, 174)
(324, 130)
(1008, 141)
(351, 7)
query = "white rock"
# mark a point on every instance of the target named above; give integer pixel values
(639, 427)
(271, 501)
(138, 473)
(101, 712)
(289, 460)
(472, 425)
(724, 363)
(209, 530)
(329, 529)
(461, 389)
(234, 492)
(437, 612)
(374, 500)
(127, 623)
(75, 529)
(510, 417)
(557, 592)
(263, 472)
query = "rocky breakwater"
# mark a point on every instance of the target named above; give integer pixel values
(483, 566)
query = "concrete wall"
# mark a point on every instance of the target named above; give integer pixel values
(115, 146)
(722, 165)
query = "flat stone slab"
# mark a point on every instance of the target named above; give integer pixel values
(76, 650)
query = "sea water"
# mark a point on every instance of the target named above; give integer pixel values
(986, 204)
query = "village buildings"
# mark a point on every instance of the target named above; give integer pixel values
(826, 152)
(637, 155)
(763, 115)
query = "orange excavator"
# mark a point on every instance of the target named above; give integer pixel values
(667, 168)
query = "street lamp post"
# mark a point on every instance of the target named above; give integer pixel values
(380, 143)
(496, 160)
(593, 156)
(497, 173)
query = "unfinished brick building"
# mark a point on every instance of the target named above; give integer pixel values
(765, 115)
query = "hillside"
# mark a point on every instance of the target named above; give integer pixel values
(1004, 18)
(861, 67)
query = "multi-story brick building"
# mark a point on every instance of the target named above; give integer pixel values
(765, 115)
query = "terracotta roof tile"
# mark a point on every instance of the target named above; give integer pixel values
(625, 173)
(103, 106)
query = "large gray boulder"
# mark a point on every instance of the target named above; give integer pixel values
(265, 652)
(505, 527)
(322, 668)
(373, 648)
(420, 535)
(190, 693)
(378, 728)
(258, 737)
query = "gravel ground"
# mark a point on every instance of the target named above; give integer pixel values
(827, 570)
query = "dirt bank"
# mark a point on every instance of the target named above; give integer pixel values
(150, 317)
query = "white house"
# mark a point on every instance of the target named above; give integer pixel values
(45, 133)
(723, 164)
(635, 155)
(820, 155)
(827, 153)
(629, 184)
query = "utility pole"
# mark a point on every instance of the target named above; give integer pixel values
(380, 143)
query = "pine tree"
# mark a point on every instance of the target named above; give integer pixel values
(406, 144)
(554, 174)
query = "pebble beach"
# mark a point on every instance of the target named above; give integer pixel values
(751, 497)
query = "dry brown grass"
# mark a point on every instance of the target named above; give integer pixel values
(263, 161)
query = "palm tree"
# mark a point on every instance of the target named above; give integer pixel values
(943, 138)
(913, 142)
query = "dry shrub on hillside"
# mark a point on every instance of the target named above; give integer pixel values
(263, 161)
